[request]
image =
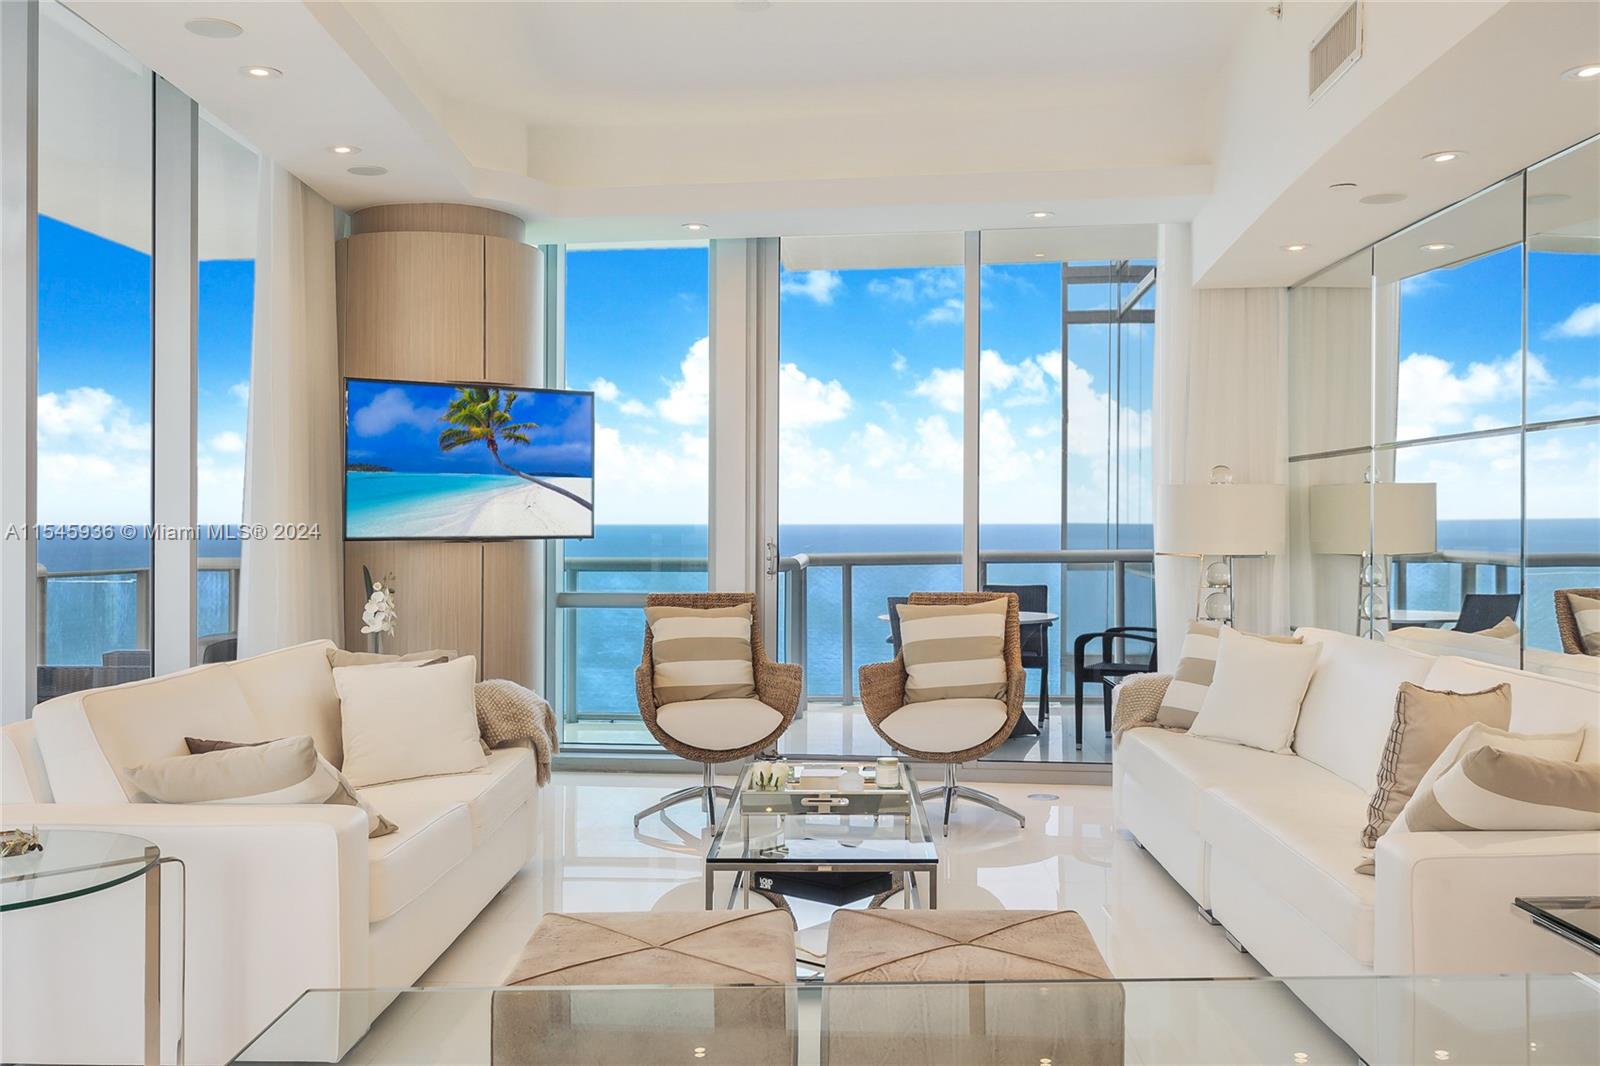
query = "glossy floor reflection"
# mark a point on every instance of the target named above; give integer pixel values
(590, 858)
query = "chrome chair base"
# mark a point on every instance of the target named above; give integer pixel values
(706, 791)
(951, 791)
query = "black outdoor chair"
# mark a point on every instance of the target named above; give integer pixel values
(1035, 638)
(1108, 671)
(894, 621)
(1485, 610)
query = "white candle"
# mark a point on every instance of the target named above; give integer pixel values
(888, 773)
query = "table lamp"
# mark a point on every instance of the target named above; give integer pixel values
(1374, 521)
(1220, 521)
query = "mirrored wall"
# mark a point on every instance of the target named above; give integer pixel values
(1445, 427)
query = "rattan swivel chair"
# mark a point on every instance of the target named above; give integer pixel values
(929, 732)
(721, 730)
(1567, 620)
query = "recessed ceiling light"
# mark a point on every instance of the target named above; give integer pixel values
(369, 171)
(695, 226)
(261, 72)
(217, 29)
(1038, 255)
(1342, 186)
(1296, 247)
(1379, 198)
(1548, 199)
(1041, 214)
(1448, 156)
(1587, 72)
(345, 149)
(1437, 246)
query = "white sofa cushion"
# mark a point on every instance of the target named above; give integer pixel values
(719, 724)
(87, 739)
(291, 694)
(401, 721)
(1480, 646)
(1349, 705)
(1538, 704)
(1582, 669)
(433, 835)
(1177, 768)
(1255, 696)
(1298, 838)
(945, 725)
(491, 795)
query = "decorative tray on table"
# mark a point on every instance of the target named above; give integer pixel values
(840, 789)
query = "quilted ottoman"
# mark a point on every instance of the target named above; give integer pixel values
(1015, 986)
(737, 1007)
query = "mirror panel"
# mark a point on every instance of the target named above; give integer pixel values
(1563, 504)
(1564, 284)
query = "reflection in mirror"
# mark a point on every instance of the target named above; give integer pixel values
(1564, 284)
(1448, 301)
(1463, 597)
(1330, 358)
(1329, 534)
(1563, 503)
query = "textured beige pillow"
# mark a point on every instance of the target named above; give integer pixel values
(1563, 747)
(1425, 722)
(1504, 791)
(701, 653)
(403, 722)
(338, 657)
(287, 771)
(953, 650)
(1505, 629)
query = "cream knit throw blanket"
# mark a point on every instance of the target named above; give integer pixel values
(1138, 699)
(512, 716)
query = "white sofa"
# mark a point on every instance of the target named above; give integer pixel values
(1268, 844)
(1584, 669)
(280, 899)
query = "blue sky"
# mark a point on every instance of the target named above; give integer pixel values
(398, 425)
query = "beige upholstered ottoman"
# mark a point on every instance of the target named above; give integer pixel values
(992, 1002)
(737, 1007)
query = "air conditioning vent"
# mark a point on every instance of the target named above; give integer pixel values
(1336, 50)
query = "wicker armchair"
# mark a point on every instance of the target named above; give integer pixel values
(883, 692)
(1571, 639)
(778, 685)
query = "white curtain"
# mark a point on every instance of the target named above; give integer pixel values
(291, 588)
(1222, 399)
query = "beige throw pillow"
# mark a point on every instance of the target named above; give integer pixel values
(1563, 747)
(1425, 722)
(1255, 697)
(1197, 666)
(701, 653)
(1503, 791)
(954, 651)
(287, 771)
(402, 722)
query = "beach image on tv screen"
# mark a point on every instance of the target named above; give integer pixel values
(433, 461)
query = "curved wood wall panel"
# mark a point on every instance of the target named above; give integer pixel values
(411, 306)
(438, 595)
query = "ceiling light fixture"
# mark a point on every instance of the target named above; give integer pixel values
(695, 227)
(369, 171)
(1447, 156)
(345, 149)
(1038, 255)
(1296, 247)
(261, 72)
(1380, 198)
(1437, 246)
(1342, 186)
(1041, 214)
(216, 29)
(1587, 72)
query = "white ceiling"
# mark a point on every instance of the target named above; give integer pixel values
(611, 121)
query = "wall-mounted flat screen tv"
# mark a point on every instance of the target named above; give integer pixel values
(428, 461)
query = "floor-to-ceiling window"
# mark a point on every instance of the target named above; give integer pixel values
(226, 219)
(95, 374)
(635, 328)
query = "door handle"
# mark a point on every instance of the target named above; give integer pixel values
(772, 559)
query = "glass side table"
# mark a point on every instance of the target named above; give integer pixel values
(80, 862)
(1575, 919)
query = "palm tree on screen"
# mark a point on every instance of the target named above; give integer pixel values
(484, 415)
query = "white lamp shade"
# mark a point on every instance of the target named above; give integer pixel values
(1405, 524)
(1220, 519)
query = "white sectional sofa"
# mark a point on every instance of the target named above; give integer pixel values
(1268, 844)
(280, 899)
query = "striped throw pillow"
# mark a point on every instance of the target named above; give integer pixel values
(1586, 613)
(1504, 791)
(954, 651)
(1197, 665)
(701, 653)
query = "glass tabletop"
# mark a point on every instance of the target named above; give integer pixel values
(831, 814)
(1575, 917)
(1460, 1020)
(73, 862)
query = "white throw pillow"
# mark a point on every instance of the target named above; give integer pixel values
(1562, 747)
(401, 721)
(1255, 695)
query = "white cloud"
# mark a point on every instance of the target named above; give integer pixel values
(1583, 322)
(391, 408)
(94, 459)
(1020, 383)
(899, 364)
(604, 389)
(945, 314)
(647, 483)
(240, 390)
(688, 400)
(807, 401)
(633, 407)
(1435, 398)
(92, 418)
(228, 443)
(818, 285)
(945, 387)
(899, 289)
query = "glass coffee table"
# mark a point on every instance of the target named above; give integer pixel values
(830, 818)
(1575, 919)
